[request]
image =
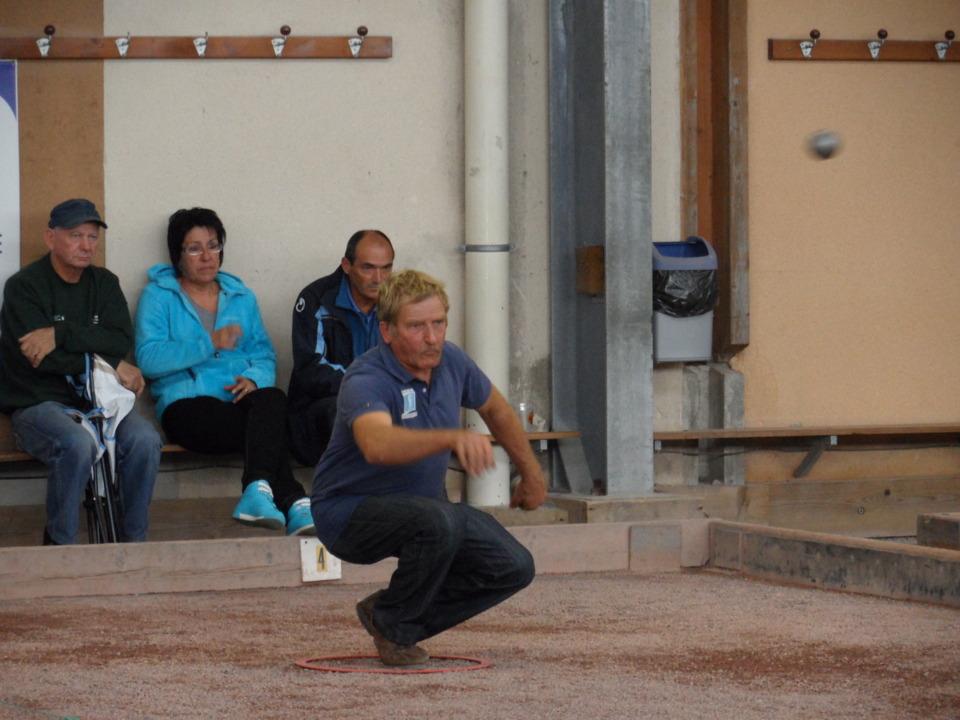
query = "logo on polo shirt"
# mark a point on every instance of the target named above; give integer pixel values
(409, 403)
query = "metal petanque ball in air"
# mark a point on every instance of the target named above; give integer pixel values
(824, 144)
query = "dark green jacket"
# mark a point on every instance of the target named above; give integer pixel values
(89, 316)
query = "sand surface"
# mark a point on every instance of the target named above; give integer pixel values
(688, 645)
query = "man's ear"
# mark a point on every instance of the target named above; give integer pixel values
(48, 238)
(386, 333)
(345, 264)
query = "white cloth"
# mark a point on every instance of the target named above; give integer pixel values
(113, 403)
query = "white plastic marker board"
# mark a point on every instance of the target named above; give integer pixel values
(9, 172)
(316, 562)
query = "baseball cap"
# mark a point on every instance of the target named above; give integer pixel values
(71, 213)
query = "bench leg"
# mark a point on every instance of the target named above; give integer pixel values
(816, 450)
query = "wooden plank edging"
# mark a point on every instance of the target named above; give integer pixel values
(837, 562)
(247, 563)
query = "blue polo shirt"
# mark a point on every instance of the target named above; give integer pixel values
(376, 381)
(364, 327)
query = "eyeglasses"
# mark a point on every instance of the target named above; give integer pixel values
(212, 248)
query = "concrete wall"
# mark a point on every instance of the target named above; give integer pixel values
(295, 156)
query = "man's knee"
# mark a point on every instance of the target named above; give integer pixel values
(76, 444)
(325, 410)
(136, 433)
(444, 523)
(526, 568)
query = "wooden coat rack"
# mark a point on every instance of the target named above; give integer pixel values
(880, 50)
(362, 47)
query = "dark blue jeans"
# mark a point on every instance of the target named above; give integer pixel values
(310, 430)
(454, 562)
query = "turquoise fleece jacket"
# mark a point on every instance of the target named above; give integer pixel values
(177, 355)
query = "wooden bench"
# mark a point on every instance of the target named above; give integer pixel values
(10, 452)
(176, 518)
(544, 438)
(819, 438)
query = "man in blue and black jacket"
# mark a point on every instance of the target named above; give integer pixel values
(334, 321)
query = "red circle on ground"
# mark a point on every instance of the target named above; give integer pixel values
(312, 664)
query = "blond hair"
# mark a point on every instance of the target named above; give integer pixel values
(403, 288)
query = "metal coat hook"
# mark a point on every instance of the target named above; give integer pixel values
(806, 47)
(44, 42)
(357, 42)
(123, 44)
(280, 42)
(943, 47)
(201, 44)
(875, 46)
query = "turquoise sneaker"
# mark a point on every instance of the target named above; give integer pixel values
(299, 518)
(256, 507)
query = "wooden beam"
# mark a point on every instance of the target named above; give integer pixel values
(859, 50)
(835, 562)
(940, 530)
(870, 508)
(883, 507)
(814, 431)
(234, 564)
(728, 228)
(738, 230)
(183, 48)
(692, 99)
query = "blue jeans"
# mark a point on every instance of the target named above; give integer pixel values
(47, 433)
(454, 562)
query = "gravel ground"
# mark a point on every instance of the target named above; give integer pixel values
(682, 645)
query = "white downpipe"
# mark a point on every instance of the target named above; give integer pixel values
(487, 222)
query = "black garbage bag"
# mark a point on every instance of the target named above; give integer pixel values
(685, 293)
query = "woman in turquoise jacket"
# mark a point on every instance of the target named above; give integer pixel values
(202, 344)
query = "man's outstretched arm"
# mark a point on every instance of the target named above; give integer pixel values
(383, 443)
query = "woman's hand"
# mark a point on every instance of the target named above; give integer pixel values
(227, 337)
(242, 388)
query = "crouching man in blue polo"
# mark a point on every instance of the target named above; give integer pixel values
(379, 488)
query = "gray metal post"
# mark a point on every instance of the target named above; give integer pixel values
(600, 195)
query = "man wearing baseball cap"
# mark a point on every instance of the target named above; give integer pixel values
(55, 312)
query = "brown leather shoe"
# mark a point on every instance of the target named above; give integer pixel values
(390, 653)
(401, 655)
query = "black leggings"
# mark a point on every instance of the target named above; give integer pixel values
(254, 426)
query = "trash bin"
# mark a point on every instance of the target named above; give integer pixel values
(685, 293)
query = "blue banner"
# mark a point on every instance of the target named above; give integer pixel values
(9, 172)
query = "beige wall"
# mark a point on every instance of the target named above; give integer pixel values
(854, 262)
